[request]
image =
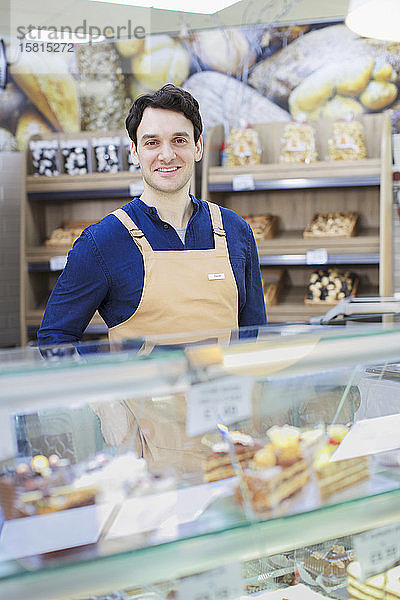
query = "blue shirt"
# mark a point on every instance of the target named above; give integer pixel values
(105, 271)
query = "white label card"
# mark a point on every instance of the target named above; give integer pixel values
(57, 263)
(319, 256)
(225, 400)
(378, 550)
(136, 188)
(243, 182)
(8, 442)
(224, 583)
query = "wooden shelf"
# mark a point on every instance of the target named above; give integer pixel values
(293, 308)
(95, 185)
(292, 242)
(319, 174)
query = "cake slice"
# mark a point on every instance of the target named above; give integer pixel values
(277, 471)
(335, 476)
(218, 464)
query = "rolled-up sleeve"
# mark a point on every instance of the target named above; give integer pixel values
(80, 290)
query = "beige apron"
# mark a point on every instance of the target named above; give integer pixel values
(185, 292)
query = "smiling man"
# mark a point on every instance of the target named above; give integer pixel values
(165, 263)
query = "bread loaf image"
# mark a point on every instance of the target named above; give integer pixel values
(45, 79)
(225, 99)
(357, 62)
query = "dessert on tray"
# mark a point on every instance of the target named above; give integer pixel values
(328, 286)
(334, 224)
(218, 464)
(331, 565)
(335, 476)
(46, 485)
(277, 471)
(263, 226)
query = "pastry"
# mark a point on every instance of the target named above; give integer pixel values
(224, 50)
(45, 158)
(312, 92)
(373, 588)
(218, 464)
(243, 148)
(378, 95)
(68, 234)
(335, 476)
(262, 226)
(278, 75)
(331, 564)
(393, 584)
(347, 141)
(332, 224)
(353, 76)
(74, 154)
(330, 286)
(277, 471)
(298, 144)
(162, 60)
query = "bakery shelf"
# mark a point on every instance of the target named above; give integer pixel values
(92, 185)
(333, 259)
(292, 242)
(280, 177)
(295, 193)
(292, 306)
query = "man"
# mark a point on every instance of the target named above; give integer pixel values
(166, 263)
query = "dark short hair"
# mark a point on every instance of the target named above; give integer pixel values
(169, 97)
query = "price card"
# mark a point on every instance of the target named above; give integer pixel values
(8, 442)
(319, 256)
(225, 400)
(244, 181)
(224, 583)
(378, 550)
(136, 188)
(57, 263)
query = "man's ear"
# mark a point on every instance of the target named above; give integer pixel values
(199, 149)
(135, 158)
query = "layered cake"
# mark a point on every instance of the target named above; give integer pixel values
(373, 588)
(51, 484)
(277, 471)
(40, 486)
(338, 475)
(331, 565)
(218, 464)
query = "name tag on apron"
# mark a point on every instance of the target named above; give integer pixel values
(213, 276)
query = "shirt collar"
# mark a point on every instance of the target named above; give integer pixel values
(151, 210)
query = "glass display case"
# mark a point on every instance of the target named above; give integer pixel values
(207, 472)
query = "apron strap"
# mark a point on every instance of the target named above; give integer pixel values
(217, 226)
(136, 234)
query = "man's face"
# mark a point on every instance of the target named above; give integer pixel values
(166, 150)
